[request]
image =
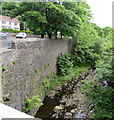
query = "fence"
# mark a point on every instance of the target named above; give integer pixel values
(5, 44)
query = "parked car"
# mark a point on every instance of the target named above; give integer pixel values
(3, 36)
(21, 35)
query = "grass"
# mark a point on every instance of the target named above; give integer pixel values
(57, 80)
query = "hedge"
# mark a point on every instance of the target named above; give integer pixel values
(16, 31)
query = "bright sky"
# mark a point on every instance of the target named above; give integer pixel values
(102, 12)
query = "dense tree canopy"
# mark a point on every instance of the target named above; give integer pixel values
(87, 44)
(49, 18)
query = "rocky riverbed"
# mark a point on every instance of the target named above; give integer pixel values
(68, 100)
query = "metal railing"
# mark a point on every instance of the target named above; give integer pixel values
(5, 44)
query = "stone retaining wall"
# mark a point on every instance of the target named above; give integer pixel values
(25, 66)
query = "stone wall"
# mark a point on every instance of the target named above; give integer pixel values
(26, 65)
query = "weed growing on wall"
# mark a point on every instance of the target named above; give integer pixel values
(4, 68)
(14, 62)
(33, 102)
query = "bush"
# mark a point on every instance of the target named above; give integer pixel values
(16, 31)
(32, 103)
(100, 91)
(10, 30)
(52, 80)
(101, 98)
(65, 64)
(27, 32)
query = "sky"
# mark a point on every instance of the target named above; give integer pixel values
(102, 12)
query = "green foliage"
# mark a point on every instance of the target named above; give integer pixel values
(45, 82)
(3, 75)
(38, 71)
(8, 8)
(87, 45)
(102, 99)
(51, 81)
(10, 30)
(104, 70)
(16, 31)
(104, 65)
(32, 103)
(14, 62)
(27, 32)
(4, 68)
(46, 66)
(76, 71)
(4, 98)
(107, 31)
(65, 64)
(82, 9)
(100, 91)
(99, 30)
(92, 45)
(48, 17)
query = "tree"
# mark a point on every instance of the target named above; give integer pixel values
(8, 8)
(42, 18)
(87, 43)
(100, 91)
(99, 30)
(107, 31)
(81, 9)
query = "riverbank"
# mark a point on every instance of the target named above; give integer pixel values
(67, 100)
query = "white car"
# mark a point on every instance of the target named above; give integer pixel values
(21, 35)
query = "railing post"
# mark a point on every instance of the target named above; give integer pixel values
(1, 79)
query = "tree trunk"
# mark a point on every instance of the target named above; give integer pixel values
(55, 34)
(42, 35)
(61, 36)
(49, 35)
(42, 32)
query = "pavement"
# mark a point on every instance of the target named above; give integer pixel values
(8, 112)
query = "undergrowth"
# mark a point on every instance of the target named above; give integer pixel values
(50, 82)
